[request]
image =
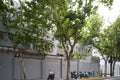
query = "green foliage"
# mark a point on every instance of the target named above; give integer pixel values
(98, 38)
(81, 55)
(92, 29)
(6, 13)
(95, 59)
(115, 32)
(105, 45)
(71, 21)
(107, 2)
(78, 55)
(30, 26)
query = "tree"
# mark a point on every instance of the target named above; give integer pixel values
(115, 32)
(105, 47)
(98, 38)
(107, 43)
(68, 23)
(29, 26)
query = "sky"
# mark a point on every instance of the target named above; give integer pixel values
(110, 15)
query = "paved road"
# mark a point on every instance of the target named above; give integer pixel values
(118, 78)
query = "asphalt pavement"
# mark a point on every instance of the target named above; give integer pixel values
(116, 78)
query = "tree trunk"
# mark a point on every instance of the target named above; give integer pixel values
(105, 70)
(113, 69)
(77, 66)
(22, 65)
(68, 69)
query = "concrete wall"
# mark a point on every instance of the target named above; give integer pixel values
(51, 64)
(6, 66)
(38, 69)
(32, 69)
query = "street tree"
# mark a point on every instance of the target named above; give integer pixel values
(109, 48)
(29, 27)
(68, 23)
(104, 45)
(115, 32)
(95, 36)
